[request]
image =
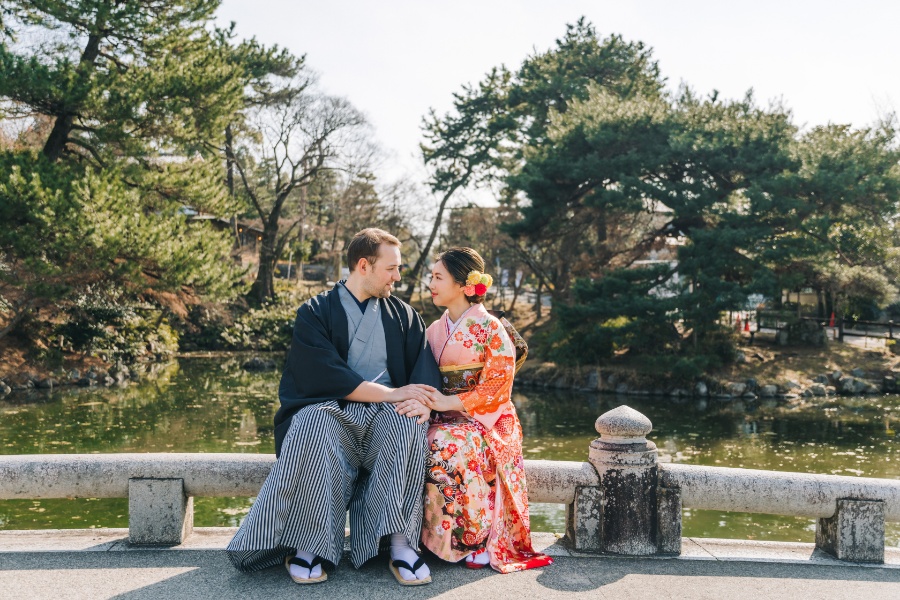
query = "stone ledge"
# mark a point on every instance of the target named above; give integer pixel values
(211, 475)
(216, 538)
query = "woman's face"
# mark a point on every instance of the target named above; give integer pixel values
(444, 290)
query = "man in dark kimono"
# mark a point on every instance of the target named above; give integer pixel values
(341, 443)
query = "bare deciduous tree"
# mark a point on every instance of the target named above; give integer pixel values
(287, 141)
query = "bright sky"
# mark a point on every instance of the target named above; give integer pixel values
(394, 59)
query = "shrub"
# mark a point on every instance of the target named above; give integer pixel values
(141, 338)
(861, 309)
(100, 322)
(205, 324)
(91, 317)
(893, 311)
(266, 328)
(270, 326)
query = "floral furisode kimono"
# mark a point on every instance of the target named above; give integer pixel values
(475, 481)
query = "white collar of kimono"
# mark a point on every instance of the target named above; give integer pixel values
(451, 325)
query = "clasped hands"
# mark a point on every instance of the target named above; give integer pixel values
(418, 400)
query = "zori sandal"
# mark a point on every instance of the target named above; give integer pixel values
(293, 560)
(395, 565)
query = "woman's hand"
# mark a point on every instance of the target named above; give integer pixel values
(413, 391)
(413, 409)
(441, 403)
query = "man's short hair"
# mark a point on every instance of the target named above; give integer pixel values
(365, 245)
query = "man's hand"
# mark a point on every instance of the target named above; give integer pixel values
(439, 402)
(413, 391)
(414, 409)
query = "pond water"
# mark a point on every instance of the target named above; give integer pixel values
(211, 405)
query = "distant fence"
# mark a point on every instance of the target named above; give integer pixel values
(778, 321)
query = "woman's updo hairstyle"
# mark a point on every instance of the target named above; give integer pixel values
(459, 262)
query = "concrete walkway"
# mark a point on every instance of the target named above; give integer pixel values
(62, 565)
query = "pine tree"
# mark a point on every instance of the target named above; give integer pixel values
(499, 125)
(137, 96)
(606, 169)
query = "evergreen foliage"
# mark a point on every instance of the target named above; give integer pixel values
(649, 216)
(131, 79)
(126, 104)
(71, 226)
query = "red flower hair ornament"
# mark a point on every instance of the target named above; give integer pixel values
(477, 284)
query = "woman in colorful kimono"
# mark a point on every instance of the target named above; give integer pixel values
(476, 504)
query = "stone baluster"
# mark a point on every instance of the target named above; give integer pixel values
(626, 463)
(628, 513)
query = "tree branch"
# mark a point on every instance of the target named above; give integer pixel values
(18, 314)
(89, 148)
(253, 198)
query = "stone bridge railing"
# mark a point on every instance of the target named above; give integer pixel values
(620, 502)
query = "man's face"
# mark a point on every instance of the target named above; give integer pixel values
(380, 277)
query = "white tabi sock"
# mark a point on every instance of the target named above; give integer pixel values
(298, 571)
(401, 550)
(479, 557)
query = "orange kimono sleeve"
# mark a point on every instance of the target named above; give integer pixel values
(486, 400)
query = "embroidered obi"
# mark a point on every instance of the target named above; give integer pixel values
(460, 378)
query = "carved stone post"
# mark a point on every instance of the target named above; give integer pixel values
(627, 465)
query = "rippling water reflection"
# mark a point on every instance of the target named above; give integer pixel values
(211, 405)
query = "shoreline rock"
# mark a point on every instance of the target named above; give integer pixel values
(548, 375)
(256, 364)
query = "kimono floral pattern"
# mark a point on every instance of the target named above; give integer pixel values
(460, 482)
(475, 490)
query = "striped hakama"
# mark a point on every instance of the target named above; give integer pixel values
(333, 454)
(364, 457)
